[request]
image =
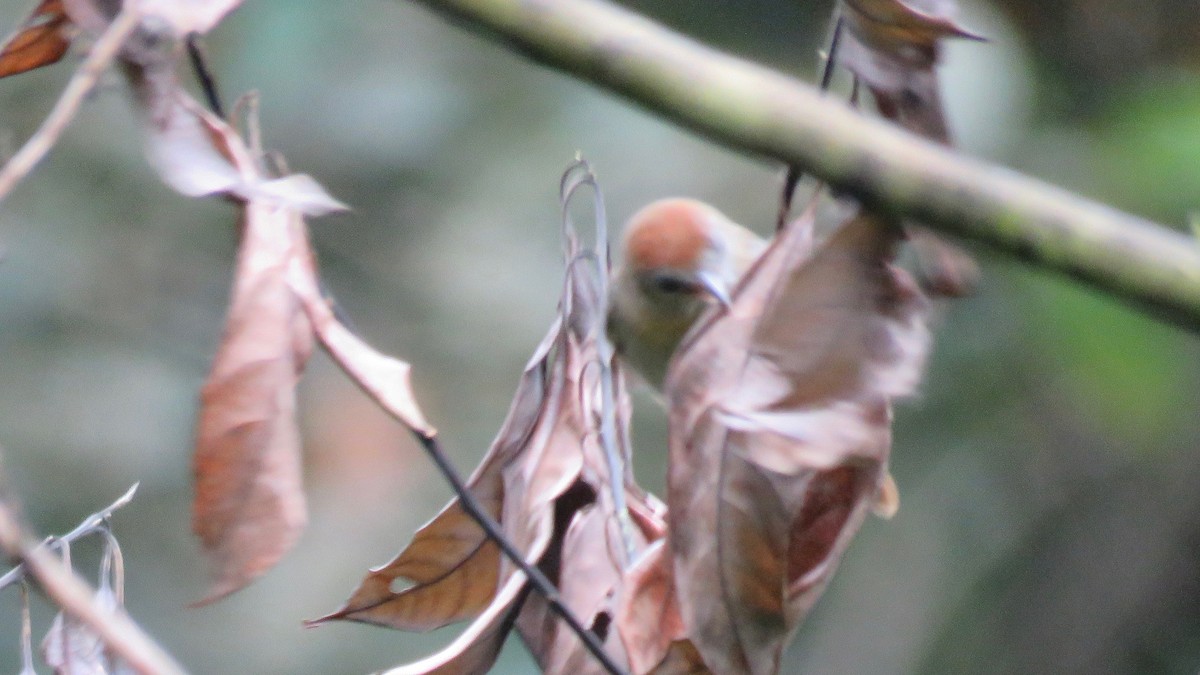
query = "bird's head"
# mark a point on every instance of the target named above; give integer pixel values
(676, 252)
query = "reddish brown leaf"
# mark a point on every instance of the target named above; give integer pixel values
(587, 558)
(648, 616)
(546, 479)
(249, 503)
(459, 574)
(476, 649)
(40, 41)
(893, 47)
(384, 378)
(682, 659)
(452, 565)
(780, 432)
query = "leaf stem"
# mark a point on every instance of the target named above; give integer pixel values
(103, 52)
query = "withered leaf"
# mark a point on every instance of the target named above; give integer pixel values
(591, 548)
(457, 572)
(452, 565)
(385, 378)
(587, 558)
(249, 505)
(40, 41)
(780, 433)
(893, 47)
(648, 616)
(72, 648)
(198, 154)
(545, 479)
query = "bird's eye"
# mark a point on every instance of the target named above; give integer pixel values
(668, 283)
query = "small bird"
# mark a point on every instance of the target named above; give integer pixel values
(680, 255)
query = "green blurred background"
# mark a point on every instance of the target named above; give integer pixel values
(1050, 519)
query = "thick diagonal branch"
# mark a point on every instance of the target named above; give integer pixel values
(756, 110)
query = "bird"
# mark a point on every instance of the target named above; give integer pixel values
(679, 256)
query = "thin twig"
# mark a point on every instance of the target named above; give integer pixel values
(103, 52)
(491, 528)
(77, 598)
(94, 523)
(794, 173)
(208, 83)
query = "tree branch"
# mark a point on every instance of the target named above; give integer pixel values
(77, 598)
(753, 109)
(103, 52)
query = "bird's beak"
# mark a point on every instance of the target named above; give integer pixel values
(715, 286)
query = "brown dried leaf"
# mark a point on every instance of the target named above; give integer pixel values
(648, 616)
(249, 504)
(682, 659)
(197, 154)
(896, 24)
(40, 41)
(475, 651)
(385, 378)
(893, 47)
(546, 479)
(72, 648)
(588, 564)
(453, 566)
(457, 571)
(780, 432)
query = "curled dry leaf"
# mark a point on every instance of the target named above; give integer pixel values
(249, 504)
(780, 434)
(587, 560)
(893, 48)
(249, 507)
(197, 154)
(385, 378)
(70, 647)
(46, 35)
(452, 566)
(180, 17)
(544, 478)
(455, 571)
(41, 40)
(648, 616)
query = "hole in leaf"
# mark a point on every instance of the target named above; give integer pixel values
(400, 584)
(601, 624)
